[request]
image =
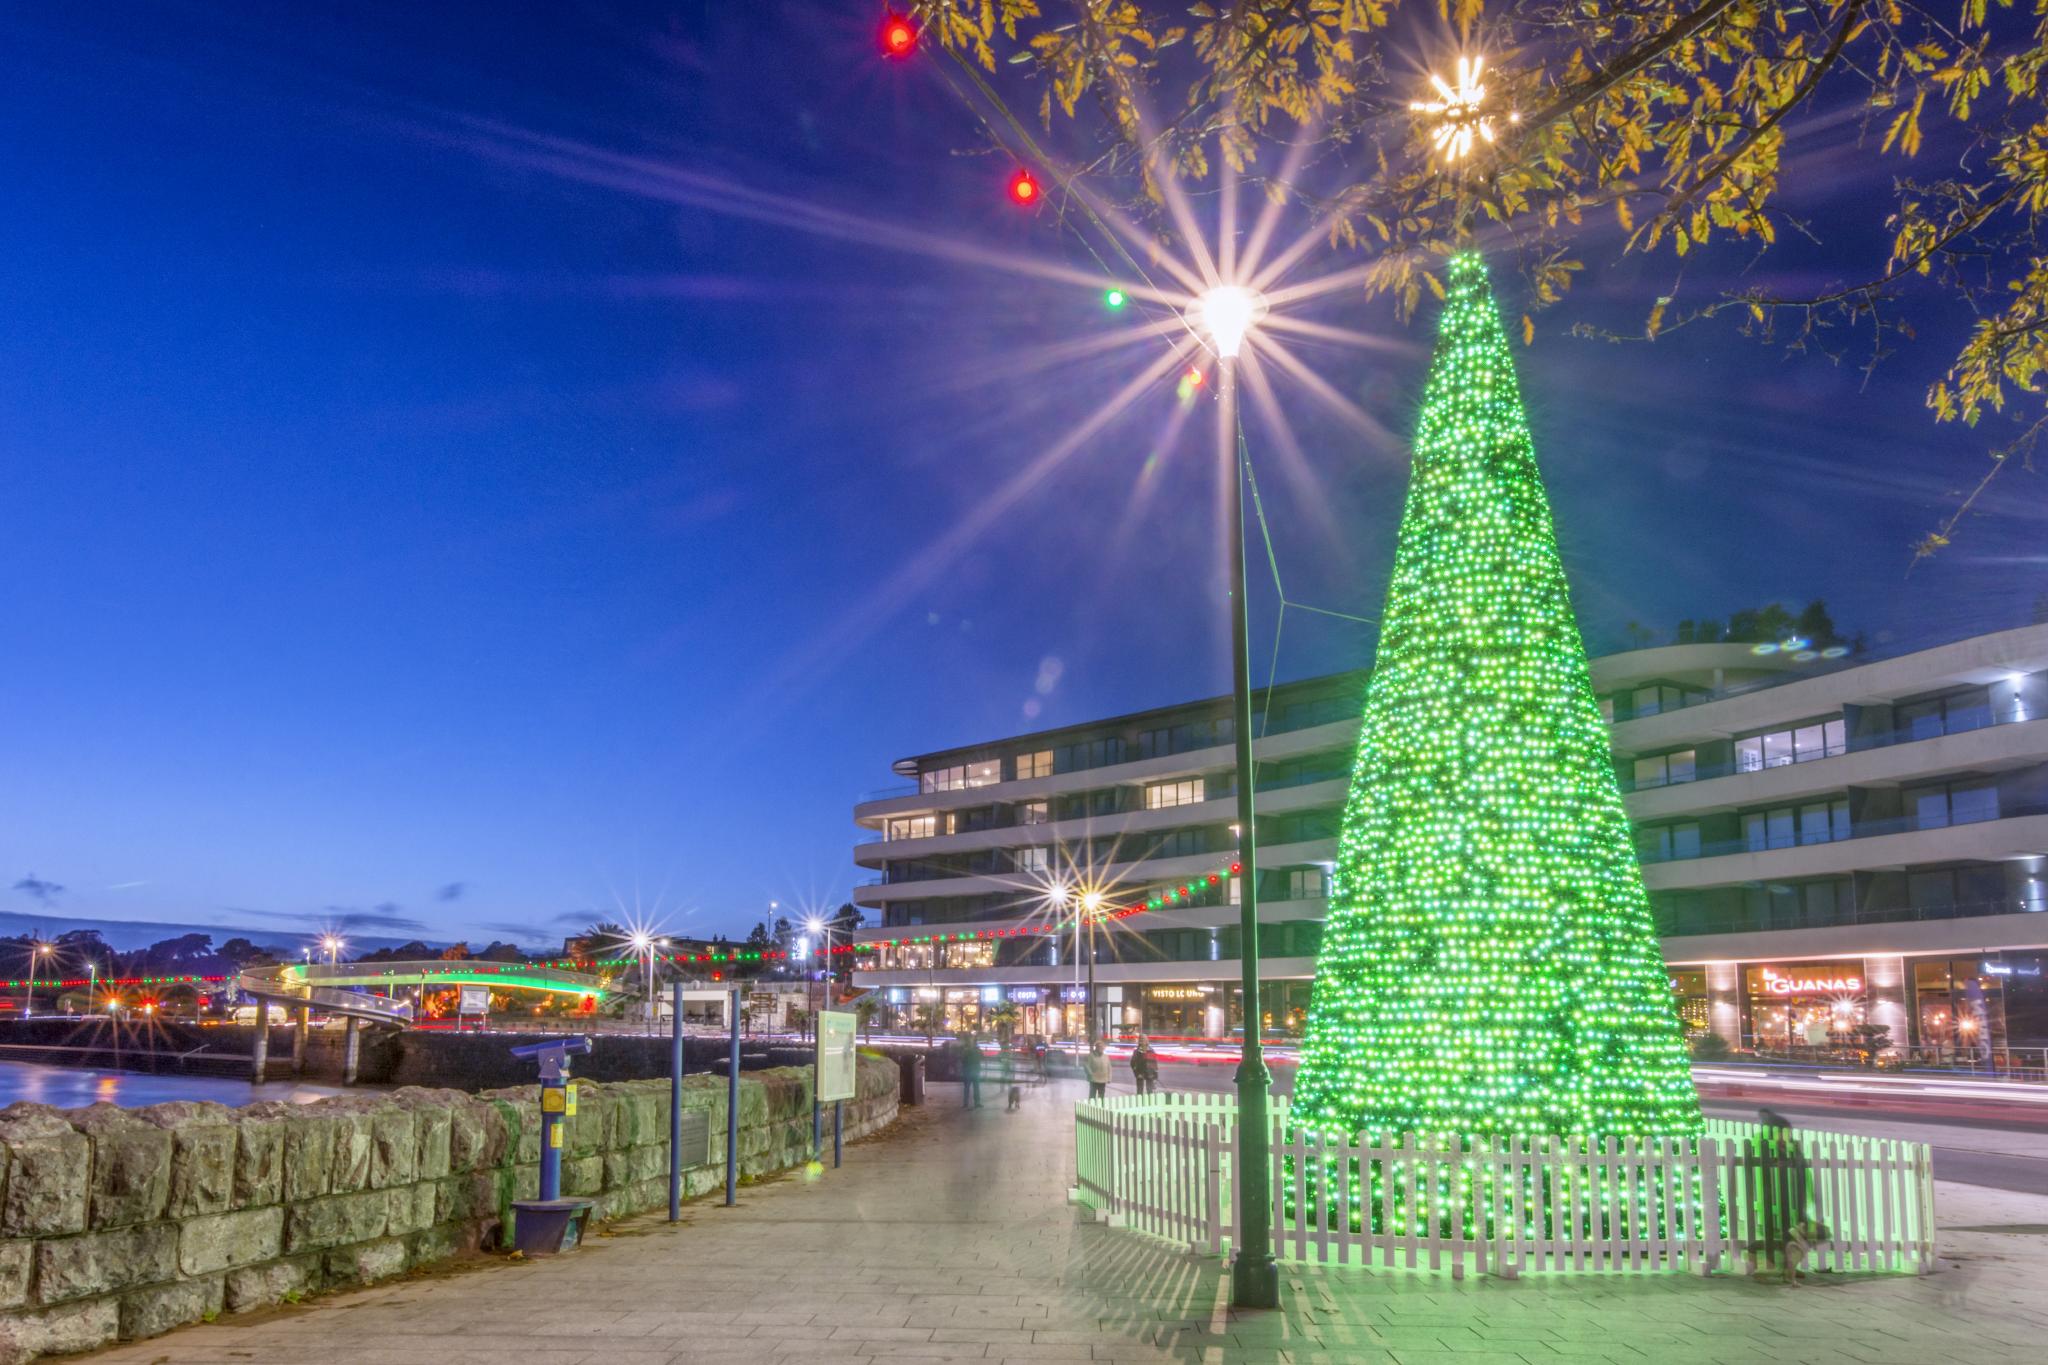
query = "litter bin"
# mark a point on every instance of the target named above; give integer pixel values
(912, 1072)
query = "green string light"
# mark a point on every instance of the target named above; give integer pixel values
(1489, 965)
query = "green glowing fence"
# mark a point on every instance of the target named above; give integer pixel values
(1740, 1195)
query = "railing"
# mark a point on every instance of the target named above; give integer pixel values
(1861, 829)
(1675, 924)
(1883, 739)
(1737, 1194)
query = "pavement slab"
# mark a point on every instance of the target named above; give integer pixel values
(950, 1239)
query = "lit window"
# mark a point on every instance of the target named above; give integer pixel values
(912, 827)
(1033, 859)
(1185, 792)
(1037, 764)
(1033, 813)
(1800, 744)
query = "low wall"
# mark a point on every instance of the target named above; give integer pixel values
(122, 1223)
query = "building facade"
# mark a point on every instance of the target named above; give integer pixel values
(1841, 854)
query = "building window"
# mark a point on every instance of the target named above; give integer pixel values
(961, 776)
(1952, 803)
(1095, 753)
(1033, 859)
(1655, 700)
(1033, 813)
(1662, 843)
(1037, 764)
(1799, 744)
(912, 827)
(1969, 709)
(1607, 709)
(1666, 769)
(1186, 791)
(1816, 822)
(1307, 884)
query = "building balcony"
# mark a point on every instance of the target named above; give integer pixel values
(1106, 973)
(1763, 704)
(1221, 809)
(2011, 741)
(1271, 748)
(1873, 845)
(1133, 875)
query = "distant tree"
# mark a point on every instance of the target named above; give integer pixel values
(600, 940)
(456, 952)
(85, 947)
(1639, 635)
(502, 952)
(1816, 626)
(1685, 632)
(845, 920)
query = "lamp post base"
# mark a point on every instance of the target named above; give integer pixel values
(1255, 1283)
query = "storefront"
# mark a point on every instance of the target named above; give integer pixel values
(1182, 1011)
(1801, 1008)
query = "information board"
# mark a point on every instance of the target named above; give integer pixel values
(474, 1000)
(835, 1056)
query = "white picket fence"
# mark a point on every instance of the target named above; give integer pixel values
(1740, 1194)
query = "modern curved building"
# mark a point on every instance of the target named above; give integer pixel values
(1830, 843)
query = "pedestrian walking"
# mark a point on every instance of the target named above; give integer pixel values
(1095, 1066)
(1145, 1066)
(970, 1072)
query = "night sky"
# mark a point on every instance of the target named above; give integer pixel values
(470, 466)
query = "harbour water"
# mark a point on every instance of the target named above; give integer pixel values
(73, 1088)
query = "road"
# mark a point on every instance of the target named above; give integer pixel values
(2008, 1153)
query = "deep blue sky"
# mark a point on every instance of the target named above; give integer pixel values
(411, 521)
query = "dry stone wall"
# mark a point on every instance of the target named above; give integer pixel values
(121, 1223)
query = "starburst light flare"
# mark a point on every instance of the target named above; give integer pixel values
(1460, 110)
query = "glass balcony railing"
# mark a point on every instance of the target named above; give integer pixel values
(1861, 829)
(1680, 924)
(1882, 740)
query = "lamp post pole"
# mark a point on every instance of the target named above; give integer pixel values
(1254, 1274)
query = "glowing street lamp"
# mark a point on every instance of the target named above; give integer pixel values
(28, 993)
(1459, 112)
(1091, 910)
(332, 945)
(1224, 317)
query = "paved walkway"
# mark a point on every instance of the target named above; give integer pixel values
(950, 1240)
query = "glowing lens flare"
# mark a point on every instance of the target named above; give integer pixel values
(1114, 299)
(1460, 111)
(898, 36)
(1225, 314)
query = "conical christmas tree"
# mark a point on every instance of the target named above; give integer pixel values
(1489, 965)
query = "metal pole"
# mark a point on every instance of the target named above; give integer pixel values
(1089, 1007)
(838, 1132)
(550, 1136)
(675, 1104)
(1254, 1274)
(260, 1054)
(732, 1105)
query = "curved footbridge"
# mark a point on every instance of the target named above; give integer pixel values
(363, 992)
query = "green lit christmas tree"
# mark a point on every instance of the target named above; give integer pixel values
(1489, 965)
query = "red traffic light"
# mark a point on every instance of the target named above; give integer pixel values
(898, 36)
(1024, 190)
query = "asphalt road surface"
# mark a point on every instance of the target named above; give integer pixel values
(1999, 1154)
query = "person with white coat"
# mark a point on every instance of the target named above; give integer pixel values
(1095, 1066)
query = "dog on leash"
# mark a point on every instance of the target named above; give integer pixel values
(1016, 1097)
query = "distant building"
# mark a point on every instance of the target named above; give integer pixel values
(1828, 842)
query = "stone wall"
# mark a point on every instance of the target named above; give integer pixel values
(122, 1223)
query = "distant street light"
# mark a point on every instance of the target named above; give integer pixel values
(332, 946)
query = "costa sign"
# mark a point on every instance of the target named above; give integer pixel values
(1779, 984)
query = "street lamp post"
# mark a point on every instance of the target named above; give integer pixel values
(332, 945)
(1091, 903)
(28, 994)
(1224, 315)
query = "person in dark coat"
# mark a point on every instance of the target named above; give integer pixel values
(1145, 1066)
(970, 1072)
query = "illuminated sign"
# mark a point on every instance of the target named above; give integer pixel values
(1026, 995)
(1778, 984)
(1176, 992)
(1074, 995)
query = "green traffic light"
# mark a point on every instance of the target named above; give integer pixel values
(1114, 298)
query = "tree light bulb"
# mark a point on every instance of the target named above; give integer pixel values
(898, 36)
(1114, 299)
(1024, 188)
